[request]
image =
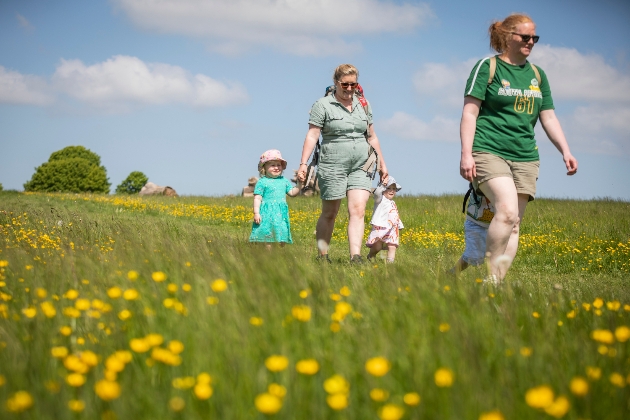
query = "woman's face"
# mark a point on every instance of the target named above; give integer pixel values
(516, 44)
(346, 86)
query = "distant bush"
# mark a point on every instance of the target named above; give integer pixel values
(72, 169)
(1, 186)
(132, 184)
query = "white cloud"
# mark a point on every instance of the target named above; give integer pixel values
(409, 127)
(301, 27)
(120, 83)
(599, 123)
(23, 89)
(581, 77)
(24, 22)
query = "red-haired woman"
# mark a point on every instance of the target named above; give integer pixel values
(499, 153)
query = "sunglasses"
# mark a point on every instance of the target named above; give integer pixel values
(526, 38)
(348, 85)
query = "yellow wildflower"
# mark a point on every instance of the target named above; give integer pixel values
(593, 373)
(492, 415)
(172, 288)
(41, 293)
(267, 403)
(131, 294)
(177, 404)
(107, 390)
(598, 303)
(444, 327)
(75, 364)
(89, 358)
(203, 391)
(158, 276)
(204, 378)
(307, 366)
(622, 334)
(76, 405)
(219, 285)
(277, 390)
(59, 352)
(114, 292)
(124, 315)
(443, 377)
(379, 395)
(20, 401)
(411, 398)
(30, 312)
(71, 294)
(559, 407)
(345, 291)
(337, 401)
(132, 275)
(301, 313)
(336, 384)
(617, 380)
(155, 339)
(212, 300)
(256, 321)
(175, 346)
(391, 412)
(526, 351)
(579, 386)
(539, 397)
(603, 336)
(140, 345)
(378, 366)
(276, 363)
(75, 379)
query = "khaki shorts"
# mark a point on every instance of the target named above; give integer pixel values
(524, 174)
(340, 168)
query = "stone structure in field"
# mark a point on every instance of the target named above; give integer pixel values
(248, 191)
(306, 192)
(153, 189)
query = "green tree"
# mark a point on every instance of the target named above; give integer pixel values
(72, 169)
(1, 187)
(132, 184)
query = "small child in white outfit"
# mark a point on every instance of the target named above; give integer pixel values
(479, 214)
(385, 221)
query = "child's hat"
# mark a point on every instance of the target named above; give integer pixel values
(270, 155)
(391, 181)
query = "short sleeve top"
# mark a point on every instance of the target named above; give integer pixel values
(510, 106)
(273, 189)
(336, 122)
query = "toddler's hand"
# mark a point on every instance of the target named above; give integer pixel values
(257, 219)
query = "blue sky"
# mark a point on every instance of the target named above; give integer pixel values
(191, 92)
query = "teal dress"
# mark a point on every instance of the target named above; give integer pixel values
(274, 211)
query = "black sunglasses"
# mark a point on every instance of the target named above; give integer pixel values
(526, 38)
(348, 85)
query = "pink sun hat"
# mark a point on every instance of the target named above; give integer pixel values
(270, 155)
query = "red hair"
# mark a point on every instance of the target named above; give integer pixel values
(500, 32)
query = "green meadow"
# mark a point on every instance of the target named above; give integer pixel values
(121, 307)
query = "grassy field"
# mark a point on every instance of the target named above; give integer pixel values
(126, 308)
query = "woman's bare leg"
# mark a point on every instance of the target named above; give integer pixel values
(326, 224)
(502, 193)
(357, 200)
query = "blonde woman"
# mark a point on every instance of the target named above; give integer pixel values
(342, 122)
(499, 153)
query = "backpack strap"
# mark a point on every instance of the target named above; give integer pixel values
(536, 72)
(493, 68)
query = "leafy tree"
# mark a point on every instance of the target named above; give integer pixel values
(132, 184)
(72, 169)
(0, 186)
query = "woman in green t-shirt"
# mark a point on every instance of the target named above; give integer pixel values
(499, 153)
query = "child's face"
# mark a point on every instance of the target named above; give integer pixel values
(273, 168)
(390, 192)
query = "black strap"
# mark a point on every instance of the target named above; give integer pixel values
(470, 190)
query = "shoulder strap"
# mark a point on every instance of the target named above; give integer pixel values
(493, 68)
(536, 72)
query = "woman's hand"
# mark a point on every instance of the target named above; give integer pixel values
(571, 163)
(383, 172)
(301, 175)
(467, 167)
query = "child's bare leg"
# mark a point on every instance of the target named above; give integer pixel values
(282, 244)
(391, 253)
(459, 266)
(268, 246)
(375, 249)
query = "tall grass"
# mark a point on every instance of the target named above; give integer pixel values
(570, 279)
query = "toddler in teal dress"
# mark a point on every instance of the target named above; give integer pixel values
(271, 212)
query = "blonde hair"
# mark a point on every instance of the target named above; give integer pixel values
(262, 170)
(500, 32)
(345, 70)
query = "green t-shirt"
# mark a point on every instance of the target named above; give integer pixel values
(509, 108)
